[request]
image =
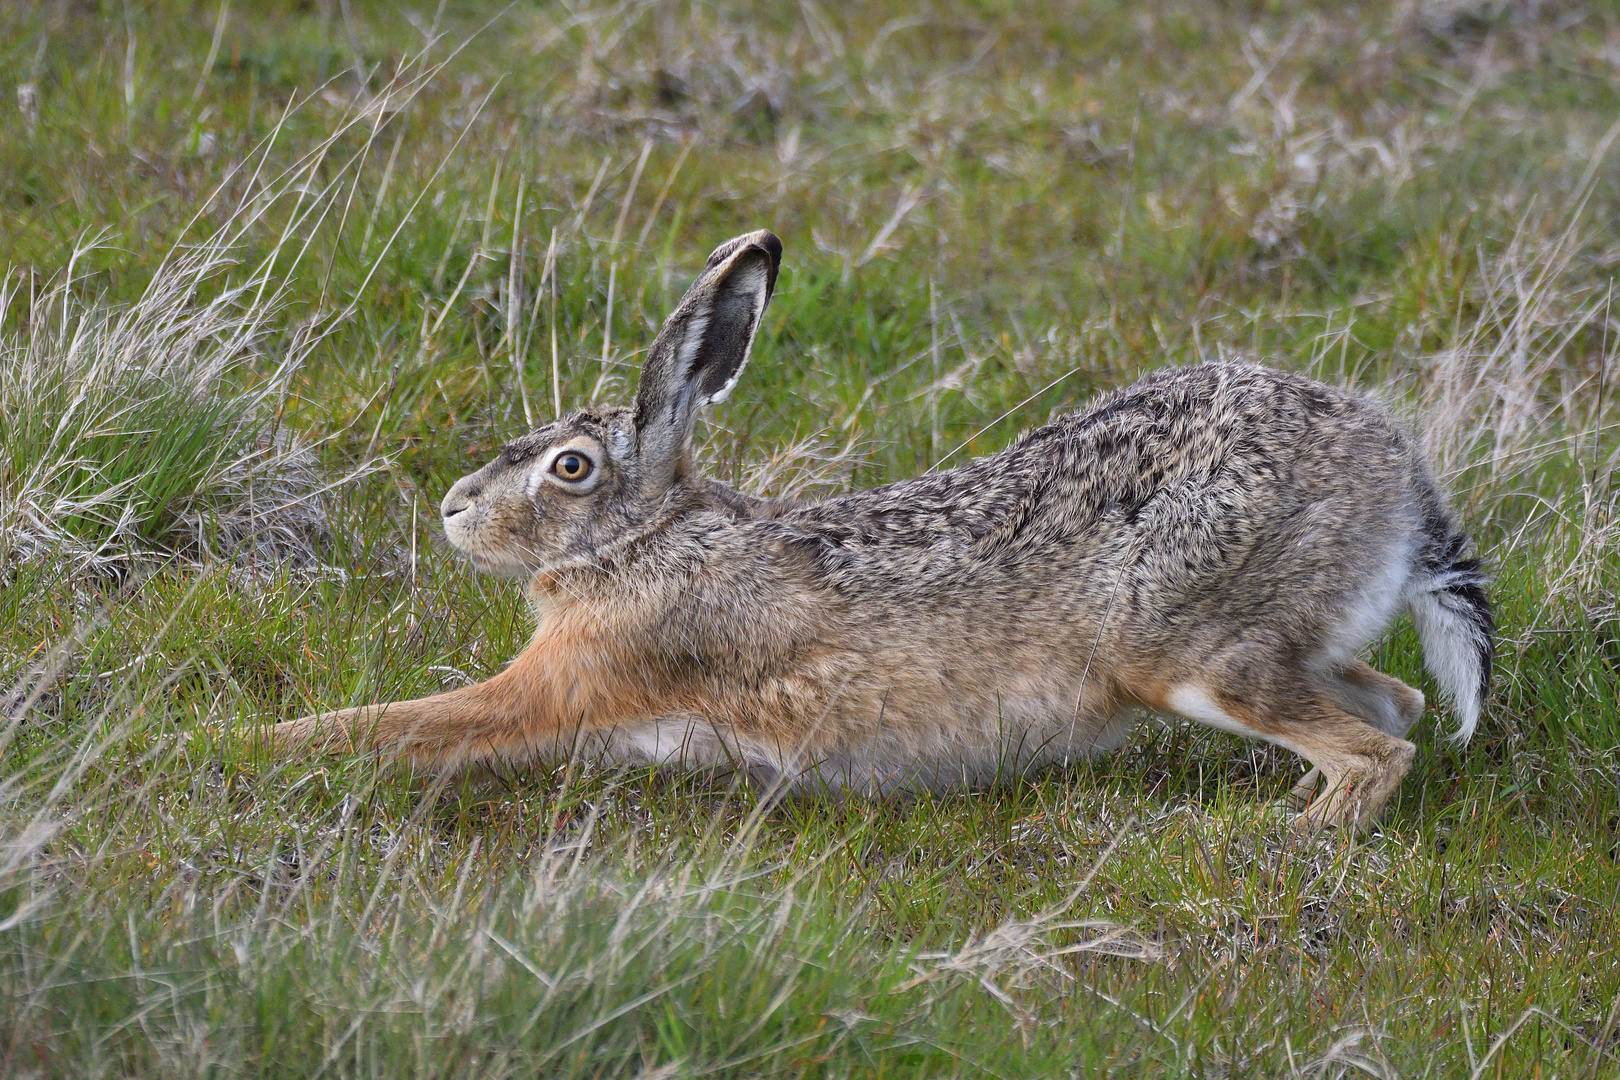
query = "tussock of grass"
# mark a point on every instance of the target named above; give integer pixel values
(154, 428)
(143, 429)
(352, 250)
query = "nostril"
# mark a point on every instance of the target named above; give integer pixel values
(460, 497)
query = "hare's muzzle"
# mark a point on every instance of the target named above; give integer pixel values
(458, 499)
(461, 525)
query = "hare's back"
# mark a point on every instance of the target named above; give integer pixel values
(1241, 435)
(1187, 475)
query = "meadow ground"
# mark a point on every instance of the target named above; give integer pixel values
(278, 273)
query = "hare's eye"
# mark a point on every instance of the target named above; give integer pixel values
(572, 467)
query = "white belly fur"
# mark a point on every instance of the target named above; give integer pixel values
(1022, 737)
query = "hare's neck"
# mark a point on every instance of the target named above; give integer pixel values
(586, 579)
(713, 495)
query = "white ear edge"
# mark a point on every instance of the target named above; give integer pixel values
(686, 356)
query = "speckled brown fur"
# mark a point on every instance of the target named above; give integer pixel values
(1218, 541)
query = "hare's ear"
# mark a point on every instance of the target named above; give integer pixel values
(702, 347)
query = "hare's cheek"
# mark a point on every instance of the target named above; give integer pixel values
(535, 481)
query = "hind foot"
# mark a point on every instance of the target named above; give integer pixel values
(1300, 795)
(1354, 797)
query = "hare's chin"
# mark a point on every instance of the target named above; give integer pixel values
(500, 566)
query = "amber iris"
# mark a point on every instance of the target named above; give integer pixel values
(572, 466)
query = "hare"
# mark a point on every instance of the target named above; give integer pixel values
(1218, 541)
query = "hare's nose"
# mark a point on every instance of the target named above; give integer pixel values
(457, 499)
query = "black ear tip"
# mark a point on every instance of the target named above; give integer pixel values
(761, 239)
(772, 245)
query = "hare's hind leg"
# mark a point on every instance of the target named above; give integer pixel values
(1361, 763)
(1381, 700)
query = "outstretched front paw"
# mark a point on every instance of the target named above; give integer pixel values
(309, 734)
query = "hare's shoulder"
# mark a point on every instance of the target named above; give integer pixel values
(958, 505)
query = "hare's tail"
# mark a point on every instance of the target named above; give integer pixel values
(1453, 617)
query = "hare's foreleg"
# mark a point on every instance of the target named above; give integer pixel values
(503, 717)
(1381, 700)
(1361, 764)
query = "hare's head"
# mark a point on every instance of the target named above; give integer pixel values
(564, 492)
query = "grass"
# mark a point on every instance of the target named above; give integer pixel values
(280, 273)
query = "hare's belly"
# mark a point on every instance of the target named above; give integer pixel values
(933, 754)
(682, 742)
(944, 757)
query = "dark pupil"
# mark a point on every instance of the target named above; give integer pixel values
(572, 466)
